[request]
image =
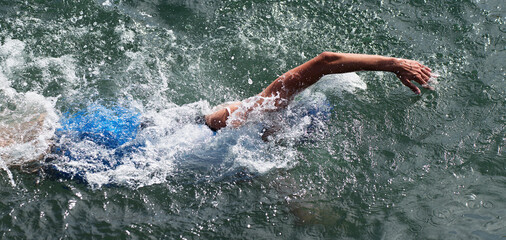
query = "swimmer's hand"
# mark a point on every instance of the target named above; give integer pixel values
(409, 70)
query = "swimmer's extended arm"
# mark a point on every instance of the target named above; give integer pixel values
(406, 70)
(285, 87)
(303, 76)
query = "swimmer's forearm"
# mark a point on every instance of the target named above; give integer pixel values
(405, 69)
(349, 62)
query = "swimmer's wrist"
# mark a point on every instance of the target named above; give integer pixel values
(390, 64)
(381, 63)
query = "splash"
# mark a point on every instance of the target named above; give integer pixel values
(27, 119)
(114, 146)
(339, 83)
(135, 145)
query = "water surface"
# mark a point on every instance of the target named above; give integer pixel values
(385, 164)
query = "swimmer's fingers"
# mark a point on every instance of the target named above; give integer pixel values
(410, 85)
(411, 70)
(427, 71)
(426, 75)
(423, 79)
(418, 74)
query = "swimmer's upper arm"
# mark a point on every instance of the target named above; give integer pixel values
(285, 87)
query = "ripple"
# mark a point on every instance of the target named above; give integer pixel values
(442, 217)
(363, 174)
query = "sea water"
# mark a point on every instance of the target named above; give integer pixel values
(357, 156)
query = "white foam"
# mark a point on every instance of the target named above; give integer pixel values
(175, 142)
(107, 3)
(64, 64)
(5, 85)
(126, 35)
(337, 83)
(30, 127)
(27, 120)
(257, 156)
(12, 56)
(8, 171)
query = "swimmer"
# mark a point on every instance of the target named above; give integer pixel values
(280, 92)
(273, 98)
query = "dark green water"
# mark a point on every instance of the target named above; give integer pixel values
(386, 165)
